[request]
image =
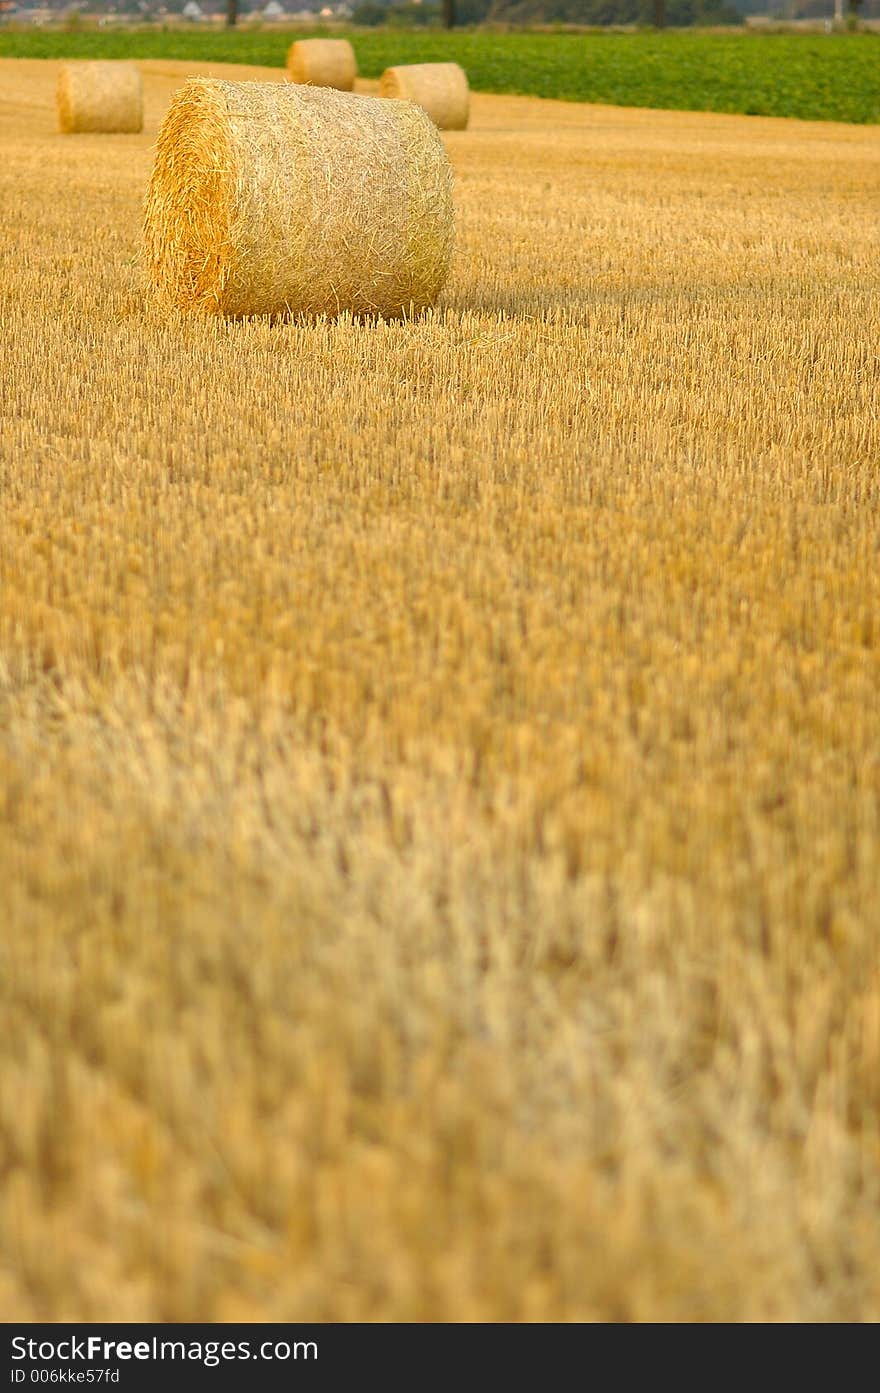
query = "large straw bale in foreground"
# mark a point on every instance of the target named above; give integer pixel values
(322, 63)
(268, 198)
(440, 88)
(102, 97)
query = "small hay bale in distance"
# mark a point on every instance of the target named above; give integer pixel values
(106, 98)
(322, 63)
(441, 89)
(267, 198)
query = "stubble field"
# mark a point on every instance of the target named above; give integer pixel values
(440, 761)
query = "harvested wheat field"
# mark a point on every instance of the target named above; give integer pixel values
(440, 760)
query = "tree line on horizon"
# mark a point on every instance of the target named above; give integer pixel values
(599, 13)
(675, 13)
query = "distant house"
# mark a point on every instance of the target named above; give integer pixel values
(8, 10)
(192, 10)
(274, 11)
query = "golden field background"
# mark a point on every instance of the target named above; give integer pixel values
(440, 761)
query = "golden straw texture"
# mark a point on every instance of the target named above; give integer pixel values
(322, 63)
(440, 761)
(268, 198)
(100, 97)
(440, 88)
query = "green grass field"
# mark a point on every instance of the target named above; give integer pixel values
(812, 76)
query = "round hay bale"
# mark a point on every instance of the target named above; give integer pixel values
(322, 63)
(267, 198)
(102, 97)
(440, 88)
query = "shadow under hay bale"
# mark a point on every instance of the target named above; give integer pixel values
(441, 89)
(322, 63)
(105, 98)
(268, 199)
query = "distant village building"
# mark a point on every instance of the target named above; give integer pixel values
(274, 11)
(192, 10)
(8, 10)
